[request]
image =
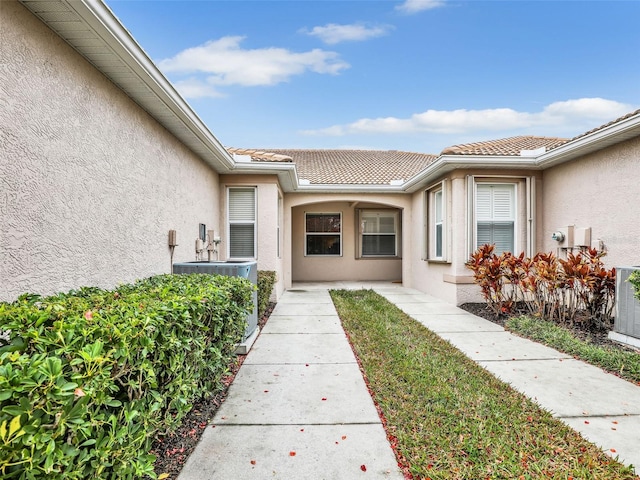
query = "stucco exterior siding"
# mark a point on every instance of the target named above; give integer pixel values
(345, 266)
(599, 191)
(90, 183)
(429, 275)
(448, 278)
(269, 237)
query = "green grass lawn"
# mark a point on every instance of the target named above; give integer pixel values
(448, 418)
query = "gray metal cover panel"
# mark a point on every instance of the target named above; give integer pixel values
(627, 321)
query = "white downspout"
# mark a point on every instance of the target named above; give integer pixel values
(531, 215)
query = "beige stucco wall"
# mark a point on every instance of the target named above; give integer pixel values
(267, 191)
(347, 266)
(429, 276)
(598, 191)
(450, 280)
(90, 184)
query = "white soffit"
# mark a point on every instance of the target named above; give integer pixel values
(95, 32)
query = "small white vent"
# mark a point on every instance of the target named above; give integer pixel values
(242, 158)
(533, 153)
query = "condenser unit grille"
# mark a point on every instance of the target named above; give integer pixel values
(627, 321)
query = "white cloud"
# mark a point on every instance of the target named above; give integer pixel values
(196, 88)
(333, 33)
(557, 119)
(223, 63)
(415, 6)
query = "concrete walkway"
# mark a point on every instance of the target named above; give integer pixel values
(299, 408)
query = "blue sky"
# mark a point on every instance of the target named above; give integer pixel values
(416, 75)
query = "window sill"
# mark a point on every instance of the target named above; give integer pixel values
(436, 261)
(379, 257)
(458, 279)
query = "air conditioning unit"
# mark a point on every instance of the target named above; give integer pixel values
(626, 327)
(244, 269)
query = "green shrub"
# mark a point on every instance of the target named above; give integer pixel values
(90, 377)
(547, 286)
(266, 280)
(634, 280)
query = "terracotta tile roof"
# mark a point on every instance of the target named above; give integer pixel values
(348, 167)
(506, 146)
(259, 155)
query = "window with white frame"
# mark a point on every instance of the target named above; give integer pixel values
(378, 233)
(435, 230)
(438, 224)
(323, 234)
(242, 222)
(495, 216)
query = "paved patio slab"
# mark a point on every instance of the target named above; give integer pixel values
(322, 452)
(300, 349)
(292, 309)
(570, 388)
(496, 345)
(303, 324)
(461, 322)
(305, 297)
(428, 308)
(382, 287)
(403, 298)
(295, 394)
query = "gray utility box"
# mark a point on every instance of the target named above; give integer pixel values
(248, 270)
(627, 321)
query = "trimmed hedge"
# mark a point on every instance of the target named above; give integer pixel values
(88, 378)
(266, 280)
(634, 280)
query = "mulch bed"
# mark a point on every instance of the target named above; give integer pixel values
(173, 450)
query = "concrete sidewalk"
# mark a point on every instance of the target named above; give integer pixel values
(299, 407)
(602, 407)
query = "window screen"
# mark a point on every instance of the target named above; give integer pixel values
(378, 233)
(242, 222)
(495, 216)
(323, 234)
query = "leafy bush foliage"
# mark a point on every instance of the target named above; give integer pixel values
(88, 378)
(547, 286)
(266, 280)
(634, 279)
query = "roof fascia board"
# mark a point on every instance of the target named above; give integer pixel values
(618, 132)
(340, 188)
(286, 172)
(447, 163)
(100, 19)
